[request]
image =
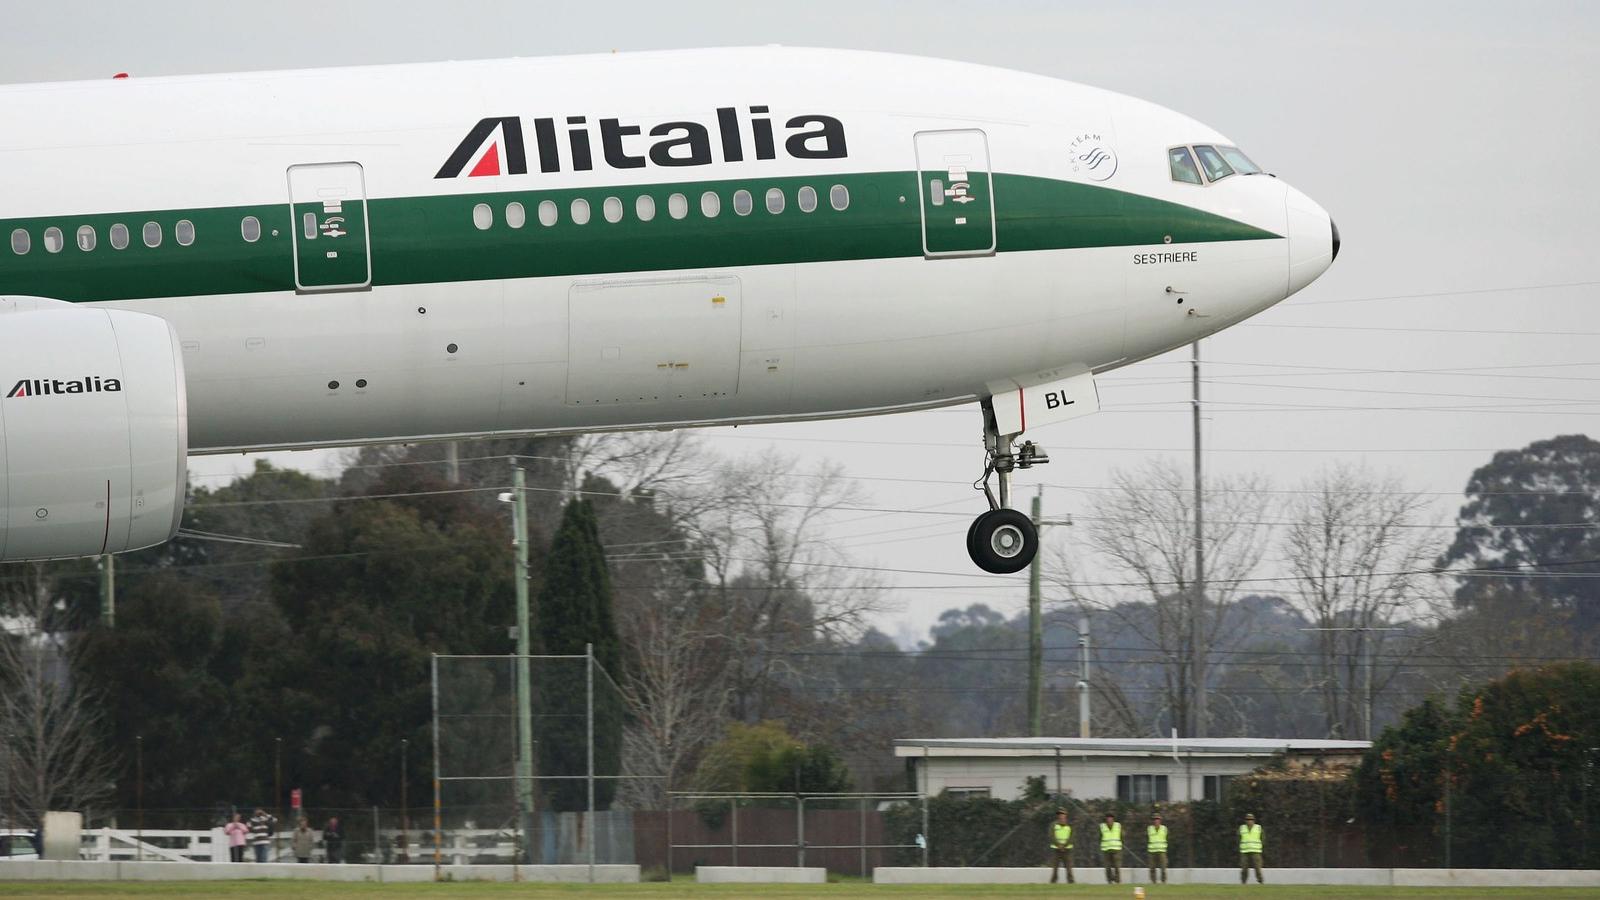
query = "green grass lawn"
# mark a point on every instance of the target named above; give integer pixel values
(685, 888)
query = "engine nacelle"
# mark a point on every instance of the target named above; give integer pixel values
(93, 430)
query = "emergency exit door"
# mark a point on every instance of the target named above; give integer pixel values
(957, 193)
(332, 246)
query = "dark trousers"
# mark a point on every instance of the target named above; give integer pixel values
(1158, 863)
(261, 851)
(1113, 861)
(1062, 859)
(236, 853)
(1246, 860)
(335, 851)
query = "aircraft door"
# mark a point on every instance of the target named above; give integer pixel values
(957, 193)
(332, 246)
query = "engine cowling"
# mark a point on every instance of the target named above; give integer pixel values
(93, 430)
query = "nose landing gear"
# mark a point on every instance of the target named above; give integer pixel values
(1003, 540)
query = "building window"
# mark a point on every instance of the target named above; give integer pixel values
(1142, 788)
(839, 197)
(516, 215)
(645, 207)
(807, 199)
(1216, 787)
(677, 206)
(184, 232)
(119, 236)
(87, 238)
(548, 213)
(249, 229)
(967, 793)
(482, 217)
(53, 241)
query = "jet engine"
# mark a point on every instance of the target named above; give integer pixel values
(93, 430)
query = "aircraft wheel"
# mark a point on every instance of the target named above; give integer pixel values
(1002, 541)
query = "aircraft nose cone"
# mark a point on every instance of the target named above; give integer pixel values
(1335, 226)
(1313, 239)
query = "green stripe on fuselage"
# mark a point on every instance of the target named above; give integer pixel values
(432, 239)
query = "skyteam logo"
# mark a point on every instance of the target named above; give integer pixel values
(497, 145)
(1092, 157)
(43, 387)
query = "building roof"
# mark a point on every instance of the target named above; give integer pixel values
(1049, 746)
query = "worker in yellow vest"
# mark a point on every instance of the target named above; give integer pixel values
(1250, 838)
(1060, 846)
(1156, 834)
(1111, 848)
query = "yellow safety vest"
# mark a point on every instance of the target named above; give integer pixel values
(1061, 836)
(1111, 837)
(1249, 838)
(1158, 838)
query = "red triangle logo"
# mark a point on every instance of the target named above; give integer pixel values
(489, 165)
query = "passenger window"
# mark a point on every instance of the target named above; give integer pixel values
(1183, 167)
(677, 206)
(184, 232)
(645, 207)
(87, 238)
(612, 208)
(743, 203)
(152, 232)
(548, 213)
(119, 236)
(482, 216)
(21, 242)
(1242, 164)
(839, 197)
(936, 191)
(249, 229)
(53, 241)
(307, 222)
(1216, 167)
(516, 216)
(710, 204)
(580, 211)
(775, 200)
(807, 199)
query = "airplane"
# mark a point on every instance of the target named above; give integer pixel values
(654, 240)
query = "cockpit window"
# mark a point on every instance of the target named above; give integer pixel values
(1236, 158)
(1216, 167)
(1183, 167)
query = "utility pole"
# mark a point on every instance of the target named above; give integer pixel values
(1368, 664)
(452, 462)
(108, 591)
(1036, 622)
(1197, 650)
(519, 517)
(1083, 676)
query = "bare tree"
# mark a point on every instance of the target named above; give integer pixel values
(1141, 534)
(1359, 565)
(50, 724)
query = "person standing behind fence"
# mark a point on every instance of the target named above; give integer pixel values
(1250, 844)
(1111, 848)
(333, 839)
(1060, 846)
(302, 841)
(237, 833)
(1156, 834)
(262, 826)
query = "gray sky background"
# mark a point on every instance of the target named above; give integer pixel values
(1455, 144)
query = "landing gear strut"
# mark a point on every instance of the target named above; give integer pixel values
(1003, 540)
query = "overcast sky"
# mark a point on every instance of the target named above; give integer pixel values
(1456, 144)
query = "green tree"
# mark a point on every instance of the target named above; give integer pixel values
(1550, 482)
(574, 610)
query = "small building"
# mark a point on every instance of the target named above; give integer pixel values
(1133, 770)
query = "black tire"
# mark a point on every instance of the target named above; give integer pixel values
(1003, 541)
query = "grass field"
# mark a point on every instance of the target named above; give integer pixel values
(287, 890)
